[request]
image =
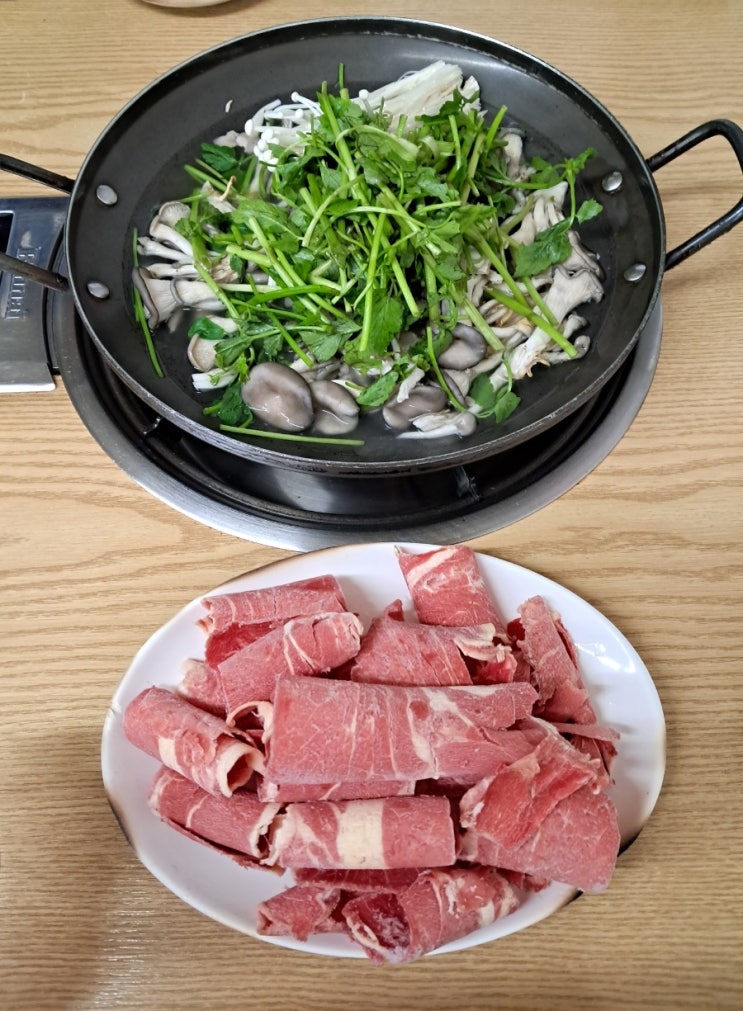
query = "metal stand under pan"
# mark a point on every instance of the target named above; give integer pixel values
(302, 511)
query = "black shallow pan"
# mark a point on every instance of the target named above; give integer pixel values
(137, 163)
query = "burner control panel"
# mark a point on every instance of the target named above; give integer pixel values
(30, 230)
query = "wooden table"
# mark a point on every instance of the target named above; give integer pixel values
(92, 564)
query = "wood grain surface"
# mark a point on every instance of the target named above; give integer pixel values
(91, 565)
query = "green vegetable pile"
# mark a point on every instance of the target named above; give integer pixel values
(366, 231)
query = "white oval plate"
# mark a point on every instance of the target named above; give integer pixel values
(621, 689)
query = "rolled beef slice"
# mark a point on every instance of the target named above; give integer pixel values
(438, 907)
(190, 741)
(327, 731)
(301, 647)
(237, 825)
(447, 588)
(272, 605)
(387, 833)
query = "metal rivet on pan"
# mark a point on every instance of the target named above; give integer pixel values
(106, 195)
(612, 182)
(635, 272)
(98, 289)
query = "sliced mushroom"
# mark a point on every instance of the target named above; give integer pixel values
(422, 400)
(466, 350)
(336, 411)
(279, 396)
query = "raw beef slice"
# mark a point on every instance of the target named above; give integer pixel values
(447, 588)
(406, 652)
(509, 807)
(302, 646)
(440, 906)
(327, 731)
(576, 844)
(200, 685)
(272, 604)
(237, 825)
(364, 834)
(300, 911)
(190, 741)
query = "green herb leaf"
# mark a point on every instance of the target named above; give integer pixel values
(224, 160)
(387, 316)
(587, 210)
(482, 392)
(207, 328)
(550, 247)
(231, 409)
(379, 392)
(498, 404)
(505, 405)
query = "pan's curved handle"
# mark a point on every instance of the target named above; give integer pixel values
(12, 264)
(714, 128)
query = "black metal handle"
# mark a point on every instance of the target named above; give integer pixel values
(12, 264)
(714, 128)
(34, 172)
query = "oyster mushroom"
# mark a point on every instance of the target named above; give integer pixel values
(408, 384)
(194, 293)
(571, 326)
(149, 247)
(162, 227)
(202, 351)
(213, 379)
(581, 258)
(336, 411)
(222, 271)
(567, 292)
(443, 423)
(513, 151)
(466, 350)
(314, 373)
(279, 396)
(459, 382)
(545, 212)
(422, 400)
(157, 297)
(173, 268)
(581, 344)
